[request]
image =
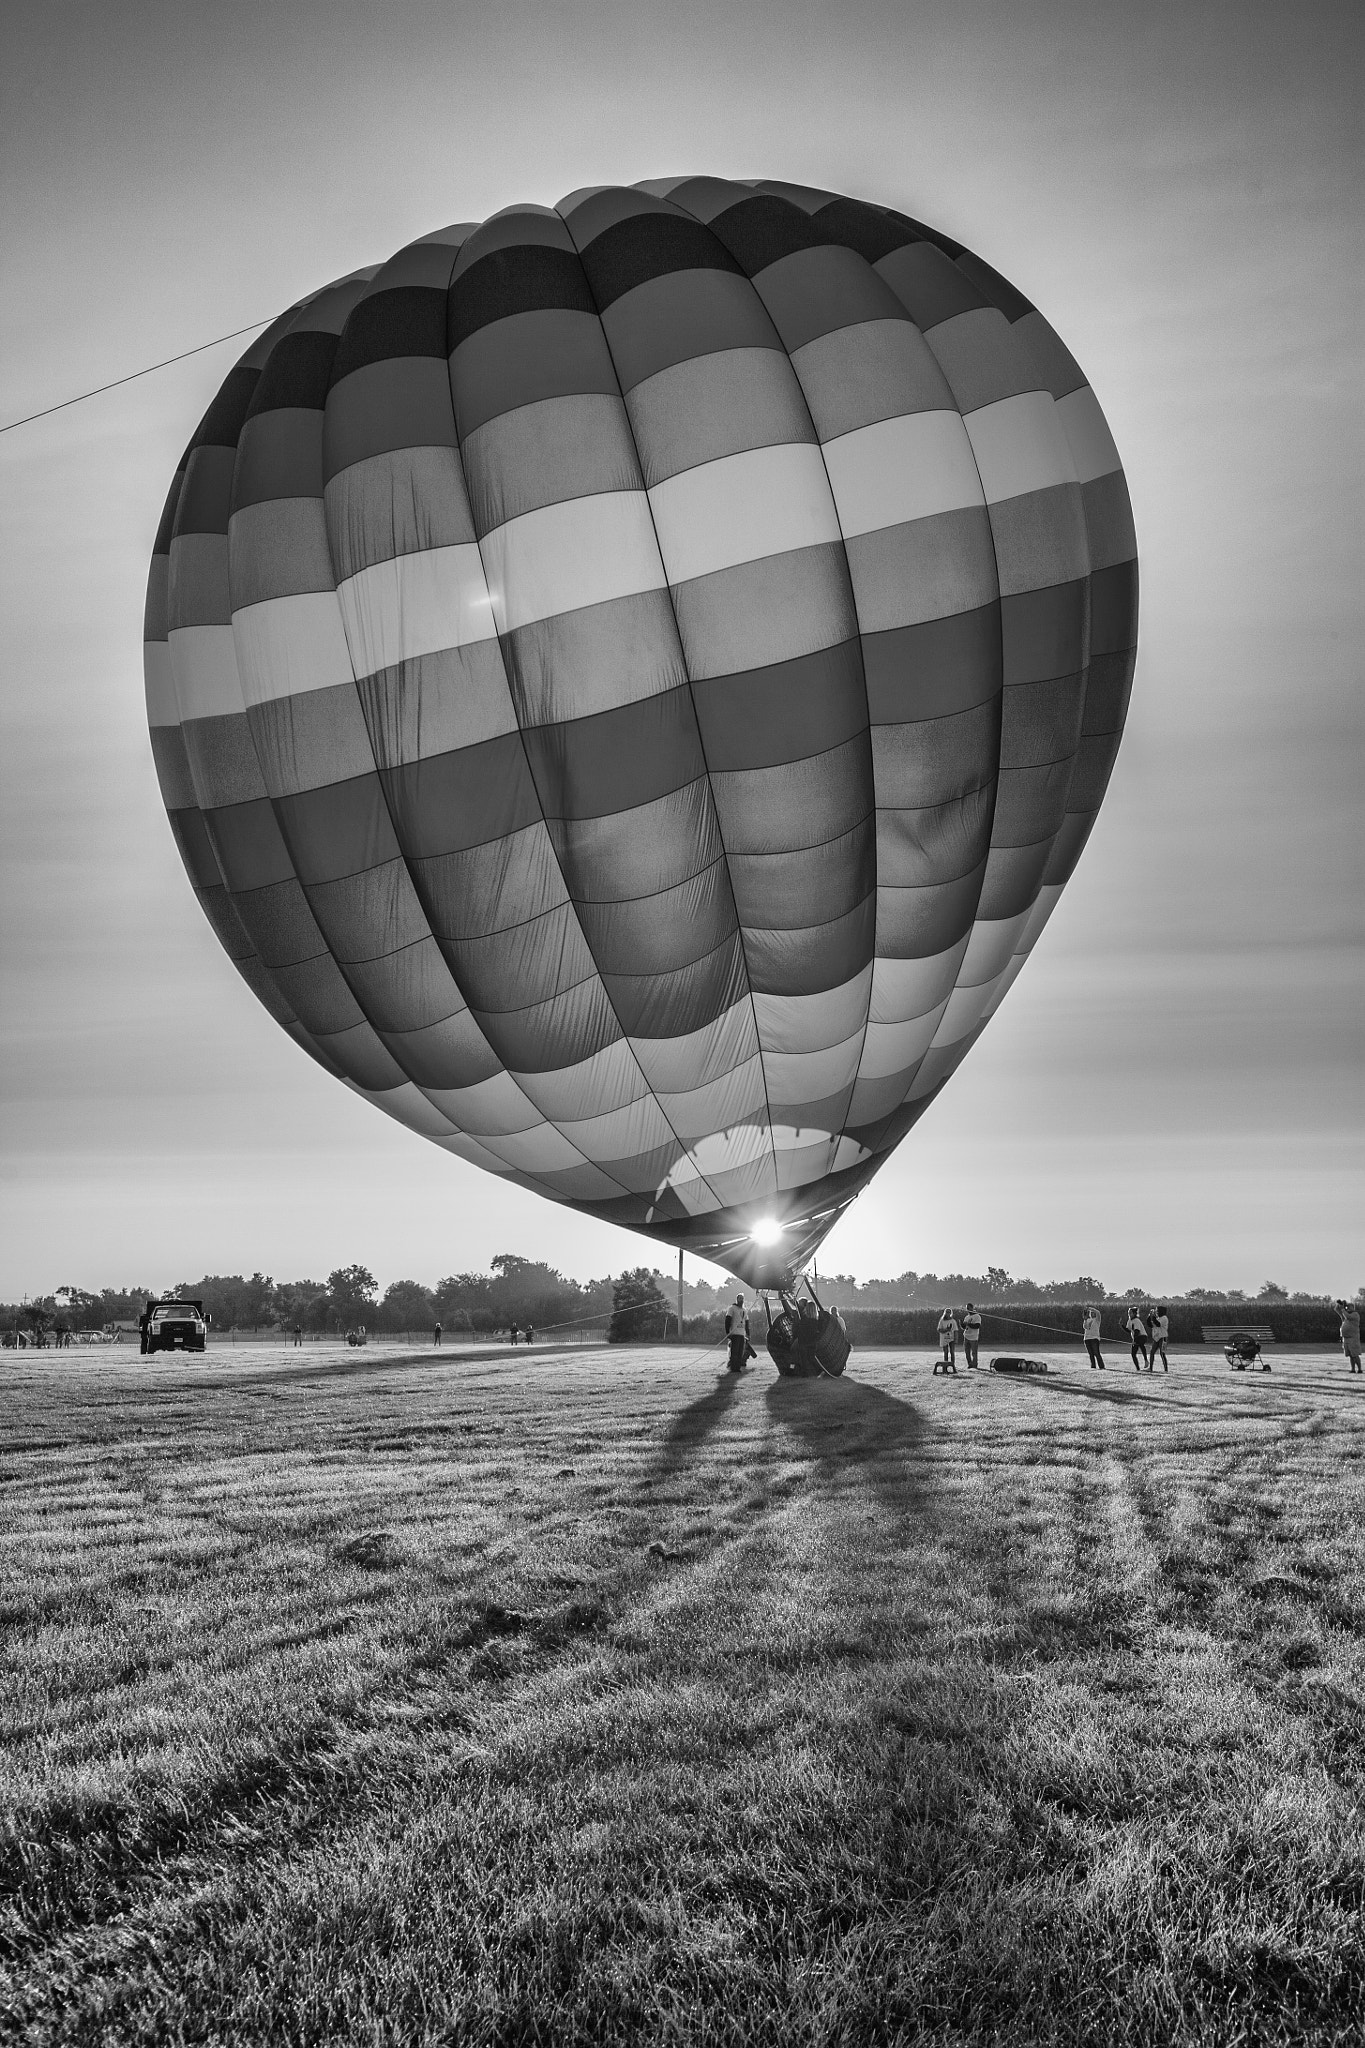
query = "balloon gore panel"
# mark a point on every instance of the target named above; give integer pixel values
(630, 681)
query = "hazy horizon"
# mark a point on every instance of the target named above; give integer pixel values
(1173, 1089)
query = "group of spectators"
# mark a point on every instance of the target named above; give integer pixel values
(1148, 1332)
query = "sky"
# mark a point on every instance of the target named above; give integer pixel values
(1171, 1096)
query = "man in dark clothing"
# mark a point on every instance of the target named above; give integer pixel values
(436, 1334)
(737, 1335)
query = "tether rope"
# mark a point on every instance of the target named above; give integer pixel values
(133, 375)
(1021, 1322)
(987, 1315)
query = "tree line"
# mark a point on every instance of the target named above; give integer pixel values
(528, 1291)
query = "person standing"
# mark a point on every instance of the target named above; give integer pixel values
(1159, 1329)
(298, 1335)
(947, 1337)
(516, 1332)
(1349, 1312)
(436, 1334)
(1091, 1331)
(971, 1335)
(737, 1335)
(1137, 1337)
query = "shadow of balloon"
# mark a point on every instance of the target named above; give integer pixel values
(846, 1427)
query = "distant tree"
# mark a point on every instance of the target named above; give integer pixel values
(79, 1308)
(231, 1302)
(317, 1315)
(638, 1307)
(1271, 1290)
(258, 1301)
(997, 1280)
(468, 1291)
(1135, 1294)
(120, 1305)
(304, 1302)
(407, 1305)
(40, 1316)
(351, 1291)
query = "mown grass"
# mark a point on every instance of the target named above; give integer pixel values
(600, 1698)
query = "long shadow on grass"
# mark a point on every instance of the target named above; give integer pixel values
(688, 1431)
(1115, 1393)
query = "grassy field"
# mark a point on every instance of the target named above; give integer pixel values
(599, 1697)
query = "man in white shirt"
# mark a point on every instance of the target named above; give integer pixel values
(1091, 1332)
(971, 1335)
(1349, 1311)
(1161, 1330)
(737, 1332)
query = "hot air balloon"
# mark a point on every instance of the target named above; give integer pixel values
(630, 680)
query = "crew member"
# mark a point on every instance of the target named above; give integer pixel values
(1160, 1328)
(1137, 1337)
(971, 1335)
(737, 1334)
(947, 1337)
(1091, 1328)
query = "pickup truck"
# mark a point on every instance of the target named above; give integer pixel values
(173, 1326)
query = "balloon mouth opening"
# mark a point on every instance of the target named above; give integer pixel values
(766, 1231)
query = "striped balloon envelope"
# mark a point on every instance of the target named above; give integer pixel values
(630, 680)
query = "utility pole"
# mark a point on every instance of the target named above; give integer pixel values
(680, 1293)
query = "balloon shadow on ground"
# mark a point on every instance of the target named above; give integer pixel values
(846, 1427)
